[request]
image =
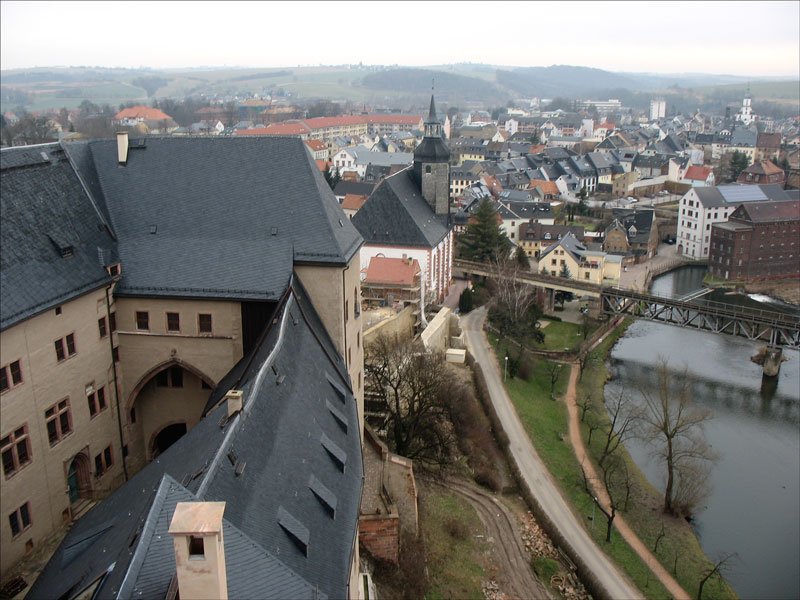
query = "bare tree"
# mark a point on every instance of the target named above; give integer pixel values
(515, 298)
(610, 472)
(659, 537)
(554, 369)
(585, 405)
(716, 569)
(623, 417)
(674, 425)
(411, 386)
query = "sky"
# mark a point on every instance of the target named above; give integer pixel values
(735, 38)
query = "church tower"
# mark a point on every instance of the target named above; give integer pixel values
(432, 165)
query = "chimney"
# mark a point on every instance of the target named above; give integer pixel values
(234, 398)
(122, 147)
(196, 531)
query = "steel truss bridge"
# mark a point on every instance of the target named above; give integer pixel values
(769, 327)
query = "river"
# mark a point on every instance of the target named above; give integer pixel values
(754, 506)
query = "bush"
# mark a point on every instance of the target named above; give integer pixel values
(489, 479)
(545, 568)
(457, 529)
(525, 371)
(466, 301)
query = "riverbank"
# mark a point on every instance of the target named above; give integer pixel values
(785, 290)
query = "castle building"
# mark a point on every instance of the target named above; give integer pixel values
(180, 323)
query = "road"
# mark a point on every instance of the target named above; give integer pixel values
(536, 476)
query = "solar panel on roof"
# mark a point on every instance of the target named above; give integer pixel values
(744, 193)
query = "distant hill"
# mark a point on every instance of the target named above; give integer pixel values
(449, 86)
(561, 80)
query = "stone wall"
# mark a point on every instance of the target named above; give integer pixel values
(380, 536)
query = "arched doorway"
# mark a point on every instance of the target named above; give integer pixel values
(166, 437)
(79, 479)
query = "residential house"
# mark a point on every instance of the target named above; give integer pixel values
(768, 146)
(387, 281)
(153, 119)
(357, 188)
(633, 233)
(699, 176)
(759, 241)
(762, 172)
(744, 140)
(319, 149)
(126, 318)
(569, 255)
(352, 203)
(535, 237)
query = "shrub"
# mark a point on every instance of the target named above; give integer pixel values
(545, 567)
(456, 528)
(489, 479)
(466, 301)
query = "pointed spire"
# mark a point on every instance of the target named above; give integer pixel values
(432, 111)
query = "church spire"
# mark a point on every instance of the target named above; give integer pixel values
(432, 126)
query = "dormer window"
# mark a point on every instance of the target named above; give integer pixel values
(547, 235)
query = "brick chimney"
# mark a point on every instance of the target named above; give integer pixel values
(196, 531)
(122, 147)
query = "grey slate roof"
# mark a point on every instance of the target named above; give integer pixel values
(641, 219)
(280, 438)
(396, 214)
(195, 216)
(43, 207)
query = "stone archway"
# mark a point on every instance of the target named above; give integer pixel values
(79, 479)
(169, 397)
(165, 437)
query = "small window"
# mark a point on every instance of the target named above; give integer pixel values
(103, 462)
(427, 168)
(96, 399)
(172, 377)
(112, 321)
(204, 323)
(102, 327)
(65, 347)
(58, 421)
(115, 353)
(173, 321)
(58, 310)
(196, 547)
(20, 519)
(142, 320)
(10, 375)
(16, 450)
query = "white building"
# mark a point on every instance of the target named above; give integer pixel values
(658, 109)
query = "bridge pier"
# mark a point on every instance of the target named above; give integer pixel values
(773, 356)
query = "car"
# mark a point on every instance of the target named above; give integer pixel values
(663, 193)
(631, 199)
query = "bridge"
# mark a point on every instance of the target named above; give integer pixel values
(777, 329)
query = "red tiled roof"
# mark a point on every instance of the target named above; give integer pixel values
(547, 187)
(768, 140)
(697, 173)
(322, 165)
(354, 201)
(276, 129)
(148, 113)
(316, 145)
(395, 271)
(763, 167)
(390, 119)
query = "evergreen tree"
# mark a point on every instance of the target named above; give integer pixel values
(332, 175)
(466, 301)
(521, 257)
(565, 271)
(739, 162)
(483, 240)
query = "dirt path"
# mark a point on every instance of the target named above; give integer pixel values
(621, 526)
(515, 575)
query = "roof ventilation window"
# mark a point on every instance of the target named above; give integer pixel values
(326, 497)
(338, 456)
(340, 391)
(341, 420)
(296, 531)
(153, 229)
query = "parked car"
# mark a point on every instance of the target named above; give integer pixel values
(663, 193)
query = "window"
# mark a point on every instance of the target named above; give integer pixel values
(20, 519)
(16, 450)
(59, 421)
(172, 377)
(115, 353)
(65, 347)
(173, 321)
(204, 323)
(142, 320)
(102, 327)
(103, 462)
(112, 321)
(58, 310)
(586, 275)
(10, 376)
(196, 548)
(553, 261)
(427, 168)
(96, 399)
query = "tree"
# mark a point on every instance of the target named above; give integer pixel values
(739, 162)
(514, 306)
(466, 301)
(673, 425)
(565, 273)
(535, 139)
(609, 472)
(521, 258)
(332, 176)
(411, 385)
(554, 369)
(483, 239)
(716, 569)
(623, 417)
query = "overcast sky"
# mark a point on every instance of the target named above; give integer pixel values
(738, 38)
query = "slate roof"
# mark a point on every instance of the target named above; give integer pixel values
(353, 187)
(768, 212)
(43, 208)
(297, 444)
(641, 219)
(539, 231)
(198, 217)
(396, 214)
(570, 244)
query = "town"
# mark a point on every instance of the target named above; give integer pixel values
(262, 345)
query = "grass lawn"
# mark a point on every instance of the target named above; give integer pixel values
(560, 335)
(449, 525)
(644, 510)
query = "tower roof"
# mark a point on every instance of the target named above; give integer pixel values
(432, 112)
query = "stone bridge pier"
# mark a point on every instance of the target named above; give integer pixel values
(773, 356)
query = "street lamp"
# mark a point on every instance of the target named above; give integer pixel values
(505, 369)
(593, 507)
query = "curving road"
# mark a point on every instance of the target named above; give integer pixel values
(614, 583)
